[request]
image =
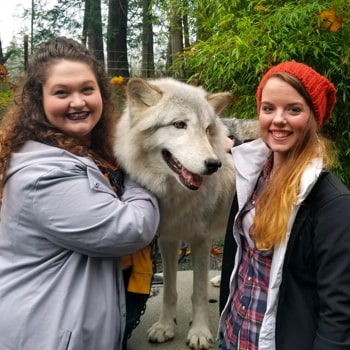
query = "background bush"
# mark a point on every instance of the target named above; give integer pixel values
(6, 97)
(251, 36)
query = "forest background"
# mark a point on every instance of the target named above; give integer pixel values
(222, 45)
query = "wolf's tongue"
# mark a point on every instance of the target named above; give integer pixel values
(191, 179)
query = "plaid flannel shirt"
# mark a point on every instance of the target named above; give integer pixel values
(248, 305)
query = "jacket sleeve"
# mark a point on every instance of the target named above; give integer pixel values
(77, 209)
(331, 247)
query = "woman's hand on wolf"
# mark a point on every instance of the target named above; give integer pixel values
(229, 143)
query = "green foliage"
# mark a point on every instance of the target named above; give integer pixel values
(53, 19)
(15, 63)
(6, 98)
(245, 38)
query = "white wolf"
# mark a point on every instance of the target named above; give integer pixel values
(171, 140)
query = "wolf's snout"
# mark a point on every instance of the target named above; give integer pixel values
(212, 165)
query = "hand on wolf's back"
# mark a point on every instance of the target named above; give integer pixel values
(229, 143)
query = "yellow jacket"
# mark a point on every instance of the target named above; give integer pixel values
(141, 270)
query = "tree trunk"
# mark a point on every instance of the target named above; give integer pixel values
(117, 51)
(176, 43)
(147, 67)
(92, 28)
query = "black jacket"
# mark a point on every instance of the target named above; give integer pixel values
(314, 299)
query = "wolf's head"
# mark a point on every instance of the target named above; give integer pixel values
(170, 134)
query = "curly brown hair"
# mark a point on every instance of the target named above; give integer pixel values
(26, 120)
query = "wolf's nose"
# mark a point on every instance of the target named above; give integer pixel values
(212, 165)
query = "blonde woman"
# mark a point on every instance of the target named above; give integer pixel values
(286, 265)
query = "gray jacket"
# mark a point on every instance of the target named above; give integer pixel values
(62, 231)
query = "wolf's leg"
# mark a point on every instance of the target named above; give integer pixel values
(199, 335)
(164, 328)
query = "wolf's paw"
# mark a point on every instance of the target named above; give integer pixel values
(161, 332)
(199, 339)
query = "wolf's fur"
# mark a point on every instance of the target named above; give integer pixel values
(166, 119)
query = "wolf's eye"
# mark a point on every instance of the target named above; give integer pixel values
(180, 125)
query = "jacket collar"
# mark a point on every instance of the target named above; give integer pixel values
(249, 159)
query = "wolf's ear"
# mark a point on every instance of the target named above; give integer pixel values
(143, 94)
(219, 101)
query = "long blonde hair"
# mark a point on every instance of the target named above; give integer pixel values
(276, 201)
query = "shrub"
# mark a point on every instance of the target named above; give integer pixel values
(6, 97)
(251, 36)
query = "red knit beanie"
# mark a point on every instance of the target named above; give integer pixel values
(321, 91)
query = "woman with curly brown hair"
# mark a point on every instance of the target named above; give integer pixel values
(68, 214)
